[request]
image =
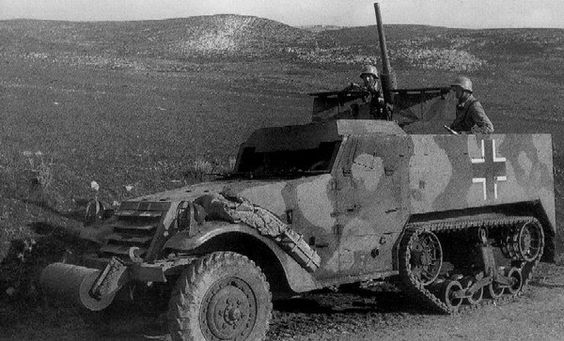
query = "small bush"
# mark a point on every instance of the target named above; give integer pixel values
(42, 170)
(40, 177)
(203, 170)
(199, 170)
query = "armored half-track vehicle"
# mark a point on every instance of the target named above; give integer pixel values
(459, 220)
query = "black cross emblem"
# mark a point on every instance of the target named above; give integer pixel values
(489, 169)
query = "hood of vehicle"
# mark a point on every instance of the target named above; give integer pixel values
(310, 195)
(250, 189)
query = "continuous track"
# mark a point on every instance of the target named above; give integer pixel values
(444, 229)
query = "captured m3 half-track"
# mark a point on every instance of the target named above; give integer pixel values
(459, 219)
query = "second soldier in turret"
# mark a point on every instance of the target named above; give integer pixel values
(470, 115)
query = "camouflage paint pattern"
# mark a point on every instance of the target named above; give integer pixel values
(481, 170)
(380, 177)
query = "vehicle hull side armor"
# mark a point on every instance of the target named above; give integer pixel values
(455, 173)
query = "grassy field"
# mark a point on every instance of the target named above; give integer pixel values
(135, 104)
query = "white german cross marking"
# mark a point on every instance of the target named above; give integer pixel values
(489, 169)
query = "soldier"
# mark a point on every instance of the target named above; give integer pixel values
(371, 80)
(470, 116)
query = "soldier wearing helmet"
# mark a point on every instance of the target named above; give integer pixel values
(470, 116)
(369, 76)
(371, 85)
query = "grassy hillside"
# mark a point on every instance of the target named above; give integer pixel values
(135, 103)
(149, 44)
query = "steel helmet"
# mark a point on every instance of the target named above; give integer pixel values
(464, 82)
(369, 70)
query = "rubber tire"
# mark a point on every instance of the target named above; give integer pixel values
(192, 285)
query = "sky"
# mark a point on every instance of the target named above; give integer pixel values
(449, 13)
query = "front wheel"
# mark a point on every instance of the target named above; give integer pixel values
(221, 296)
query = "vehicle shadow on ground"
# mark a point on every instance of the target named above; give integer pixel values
(126, 321)
(350, 302)
(340, 311)
(322, 309)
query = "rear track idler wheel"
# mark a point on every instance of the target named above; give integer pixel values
(525, 242)
(423, 257)
(530, 241)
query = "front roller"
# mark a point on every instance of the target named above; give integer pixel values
(73, 283)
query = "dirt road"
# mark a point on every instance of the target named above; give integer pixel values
(358, 315)
(537, 315)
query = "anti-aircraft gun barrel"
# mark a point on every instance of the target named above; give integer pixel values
(387, 83)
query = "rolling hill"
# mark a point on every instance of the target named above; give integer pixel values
(235, 37)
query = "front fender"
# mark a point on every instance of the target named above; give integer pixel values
(298, 278)
(188, 241)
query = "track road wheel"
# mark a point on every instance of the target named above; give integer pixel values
(477, 297)
(494, 290)
(516, 281)
(447, 294)
(221, 296)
